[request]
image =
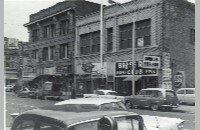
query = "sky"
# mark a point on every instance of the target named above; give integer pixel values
(16, 13)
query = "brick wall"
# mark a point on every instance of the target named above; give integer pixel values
(178, 19)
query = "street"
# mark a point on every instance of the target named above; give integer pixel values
(15, 104)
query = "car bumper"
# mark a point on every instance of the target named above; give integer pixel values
(171, 105)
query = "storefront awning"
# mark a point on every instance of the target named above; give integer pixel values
(130, 78)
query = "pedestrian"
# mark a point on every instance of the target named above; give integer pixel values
(73, 95)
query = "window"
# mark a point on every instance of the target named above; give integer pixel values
(46, 31)
(109, 39)
(142, 32)
(90, 43)
(64, 27)
(35, 54)
(189, 91)
(180, 92)
(52, 52)
(35, 35)
(45, 54)
(64, 51)
(53, 30)
(95, 42)
(192, 36)
(126, 36)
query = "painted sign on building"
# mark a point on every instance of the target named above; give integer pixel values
(50, 71)
(124, 68)
(151, 62)
(179, 79)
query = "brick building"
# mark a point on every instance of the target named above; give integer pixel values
(52, 39)
(163, 33)
(14, 51)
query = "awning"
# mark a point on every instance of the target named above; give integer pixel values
(130, 78)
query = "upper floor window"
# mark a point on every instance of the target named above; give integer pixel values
(143, 33)
(109, 39)
(192, 36)
(64, 51)
(64, 27)
(53, 30)
(46, 31)
(35, 55)
(35, 35)
(52, 52)
(126, 36)
(90, 43)
(45, 54)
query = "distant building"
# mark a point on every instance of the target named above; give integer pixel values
(52, 39)
(164, 33)
(14, 53)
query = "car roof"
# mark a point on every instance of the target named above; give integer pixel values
(95, 101)
(186, 89)
(159, 89)
(70, 118)
(106, 90)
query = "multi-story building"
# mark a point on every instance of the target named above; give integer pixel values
(14, 53)
(159, 34)
(52, 39)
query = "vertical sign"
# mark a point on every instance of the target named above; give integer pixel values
(166, 72)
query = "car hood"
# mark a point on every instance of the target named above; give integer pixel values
(161, 123)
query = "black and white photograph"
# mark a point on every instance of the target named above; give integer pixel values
(99, 64)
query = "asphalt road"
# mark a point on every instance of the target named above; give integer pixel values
(15, 104)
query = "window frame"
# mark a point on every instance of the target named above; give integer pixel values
(145, 28)
(123, 29)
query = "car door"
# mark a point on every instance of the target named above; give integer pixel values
(142, 98)
(181, 95)
(189, 96)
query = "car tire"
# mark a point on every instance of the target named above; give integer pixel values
(154, 107)
(128, 105)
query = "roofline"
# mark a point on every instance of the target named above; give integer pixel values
(28, 24)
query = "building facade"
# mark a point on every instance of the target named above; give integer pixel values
(14, 53)
(162, 35)
(52, 39)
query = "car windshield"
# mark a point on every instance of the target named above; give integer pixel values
(85, 107)
(112, 93)
(72, 107)
(122, 124)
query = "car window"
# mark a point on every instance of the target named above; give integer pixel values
(180, 92)
(111, 93)
(31, 125)
(100, 92)
(25, 125)
(112, 106)
(156, 94)
(189, 91)
(170, 94)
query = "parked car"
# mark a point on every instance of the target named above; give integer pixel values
(104, 94)
(85, 104)
(25, 92)
(39, 119)
(154, 98)
(186, 95)
(9, 88)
